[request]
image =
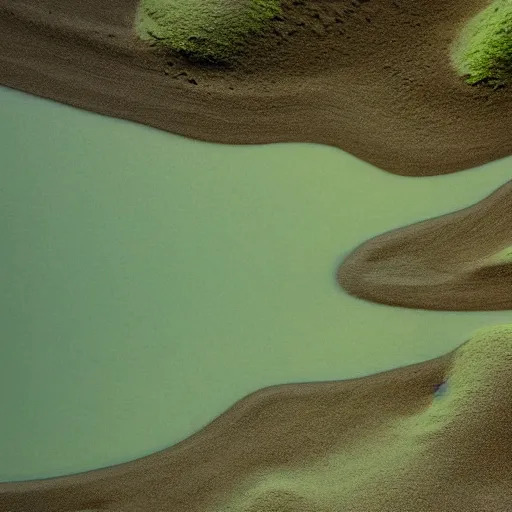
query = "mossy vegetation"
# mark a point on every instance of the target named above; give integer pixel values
(405, 449)
(483, 52)
(504, 256)
(481, 367)
(204, 30)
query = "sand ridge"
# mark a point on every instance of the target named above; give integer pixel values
(371, 77)
(457, 262)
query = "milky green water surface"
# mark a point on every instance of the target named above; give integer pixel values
(147, 281)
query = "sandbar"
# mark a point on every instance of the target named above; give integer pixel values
(456, 262)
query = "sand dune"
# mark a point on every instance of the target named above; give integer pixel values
(459, 261)
(371, 77)
(382, 443)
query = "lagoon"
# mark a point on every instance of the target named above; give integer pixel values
(149, 281)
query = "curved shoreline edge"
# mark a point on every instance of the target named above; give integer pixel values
(397, 105)
(456, 262)
(388, 438)
(328, 73)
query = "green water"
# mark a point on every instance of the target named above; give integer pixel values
(149, 281)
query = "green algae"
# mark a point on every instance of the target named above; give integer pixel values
(204, 30)
(483, 52)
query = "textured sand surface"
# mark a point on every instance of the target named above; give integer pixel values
(382, 443)
(459, 261)
(372, 77)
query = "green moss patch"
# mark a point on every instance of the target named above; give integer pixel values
(483, 52)
(385, 453)
(504, 256)
(204, 30)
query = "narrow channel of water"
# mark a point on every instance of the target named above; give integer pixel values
(149, 281)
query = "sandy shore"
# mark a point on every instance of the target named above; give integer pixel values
(372, 78)
(459, 261)
(384, 443)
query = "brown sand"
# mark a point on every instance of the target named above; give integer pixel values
(382, 443)
(371, 77)
(454, 262)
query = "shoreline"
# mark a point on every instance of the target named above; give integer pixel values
(204, 456)
(447, 263)
(388, 97)
(407, 119)
(394, 430)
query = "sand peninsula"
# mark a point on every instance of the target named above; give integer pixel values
(376, 78)
(430, 437)
(461, 261)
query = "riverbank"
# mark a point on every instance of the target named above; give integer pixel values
(375, 444)
(372, 78)
(456, 262)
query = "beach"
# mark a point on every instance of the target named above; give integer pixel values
(456, 262)
(376, 444)
(374, 79)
